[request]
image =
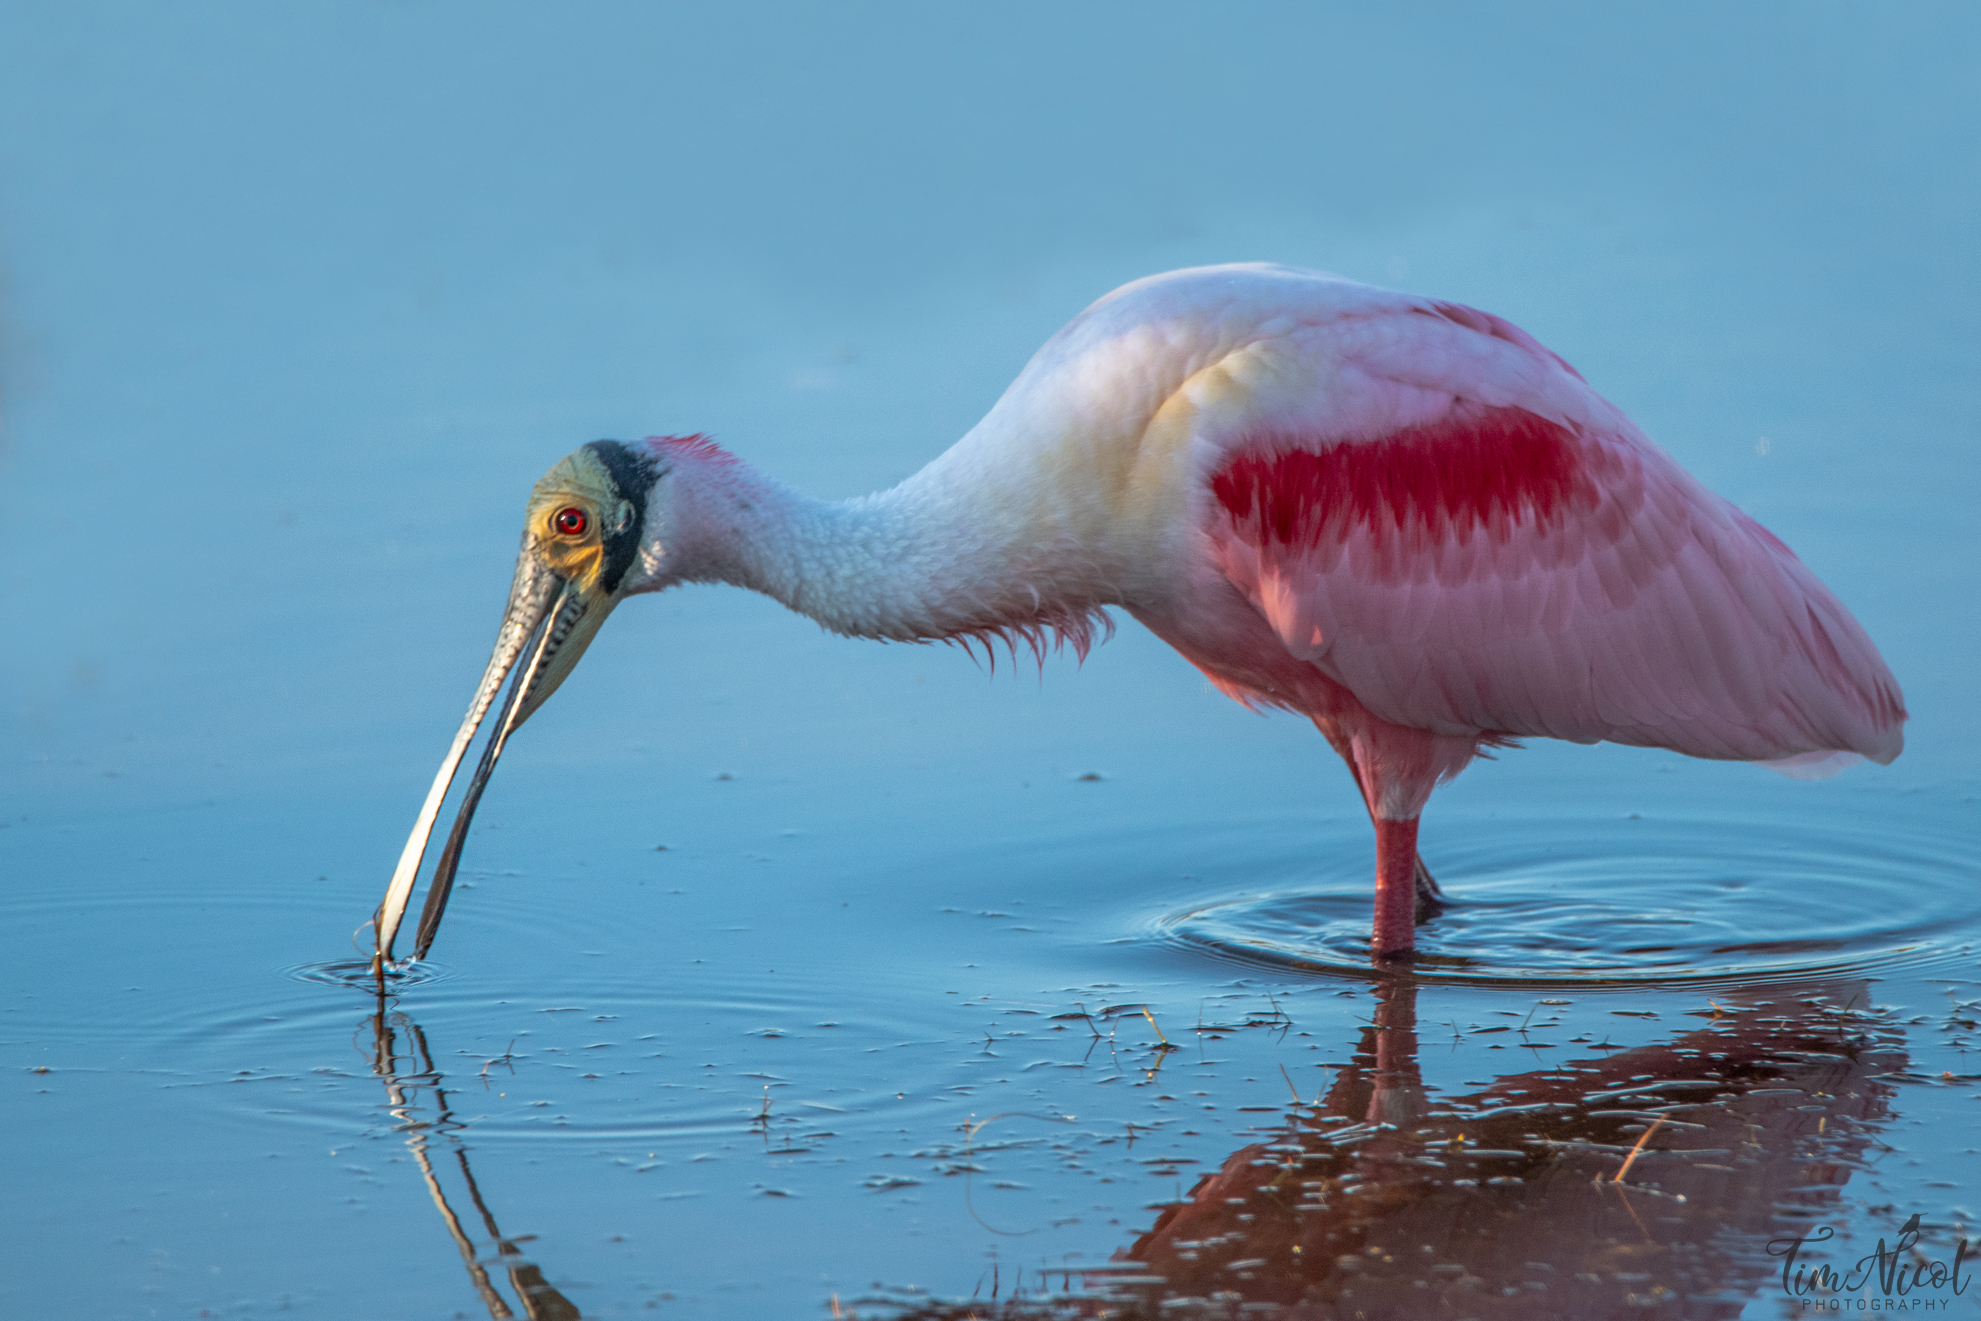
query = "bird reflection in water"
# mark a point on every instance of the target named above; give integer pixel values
(403, 1061)
(1644, 1182)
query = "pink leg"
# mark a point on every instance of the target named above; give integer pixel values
(1430, 899)
(1396, 888)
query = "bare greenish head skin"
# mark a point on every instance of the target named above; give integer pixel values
(581, 539)
(593, 561)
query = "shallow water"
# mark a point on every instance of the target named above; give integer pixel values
(788, 973)
(1701, 901)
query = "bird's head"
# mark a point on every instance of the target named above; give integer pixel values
(581, 555)
(581, 544)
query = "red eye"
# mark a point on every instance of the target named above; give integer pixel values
(570, 521)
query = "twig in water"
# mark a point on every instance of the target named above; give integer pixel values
(1623, 1191)
(1289, 1085)
(1089, 1017)
(970, 1130)
(507, 1056)
(1635, 1151)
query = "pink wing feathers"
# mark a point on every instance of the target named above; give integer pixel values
(1471, 541)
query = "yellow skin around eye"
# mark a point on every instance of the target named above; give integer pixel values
(579, 559)
(578, 481)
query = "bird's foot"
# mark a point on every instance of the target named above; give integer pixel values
(1430, 899)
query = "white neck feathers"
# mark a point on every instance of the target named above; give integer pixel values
(949, 553)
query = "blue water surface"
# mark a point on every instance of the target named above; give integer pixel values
(790, 973)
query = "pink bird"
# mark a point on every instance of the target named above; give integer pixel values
(1402, 518)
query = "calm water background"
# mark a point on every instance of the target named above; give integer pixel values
(298, 302)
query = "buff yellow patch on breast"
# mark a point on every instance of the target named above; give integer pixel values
(1224, 398)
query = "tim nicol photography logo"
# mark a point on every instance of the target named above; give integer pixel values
(1904, 1279)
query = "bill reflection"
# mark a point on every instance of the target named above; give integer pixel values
(417, 1098)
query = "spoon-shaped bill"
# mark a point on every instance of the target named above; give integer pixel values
(525, 695)
(531, 595)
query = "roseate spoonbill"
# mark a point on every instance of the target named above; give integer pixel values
(1399, 517)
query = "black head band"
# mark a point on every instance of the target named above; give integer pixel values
(633, 475)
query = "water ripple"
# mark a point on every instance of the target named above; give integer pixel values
(1607, 903)
(356, 974)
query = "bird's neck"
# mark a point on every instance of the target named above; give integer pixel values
(955, 551)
